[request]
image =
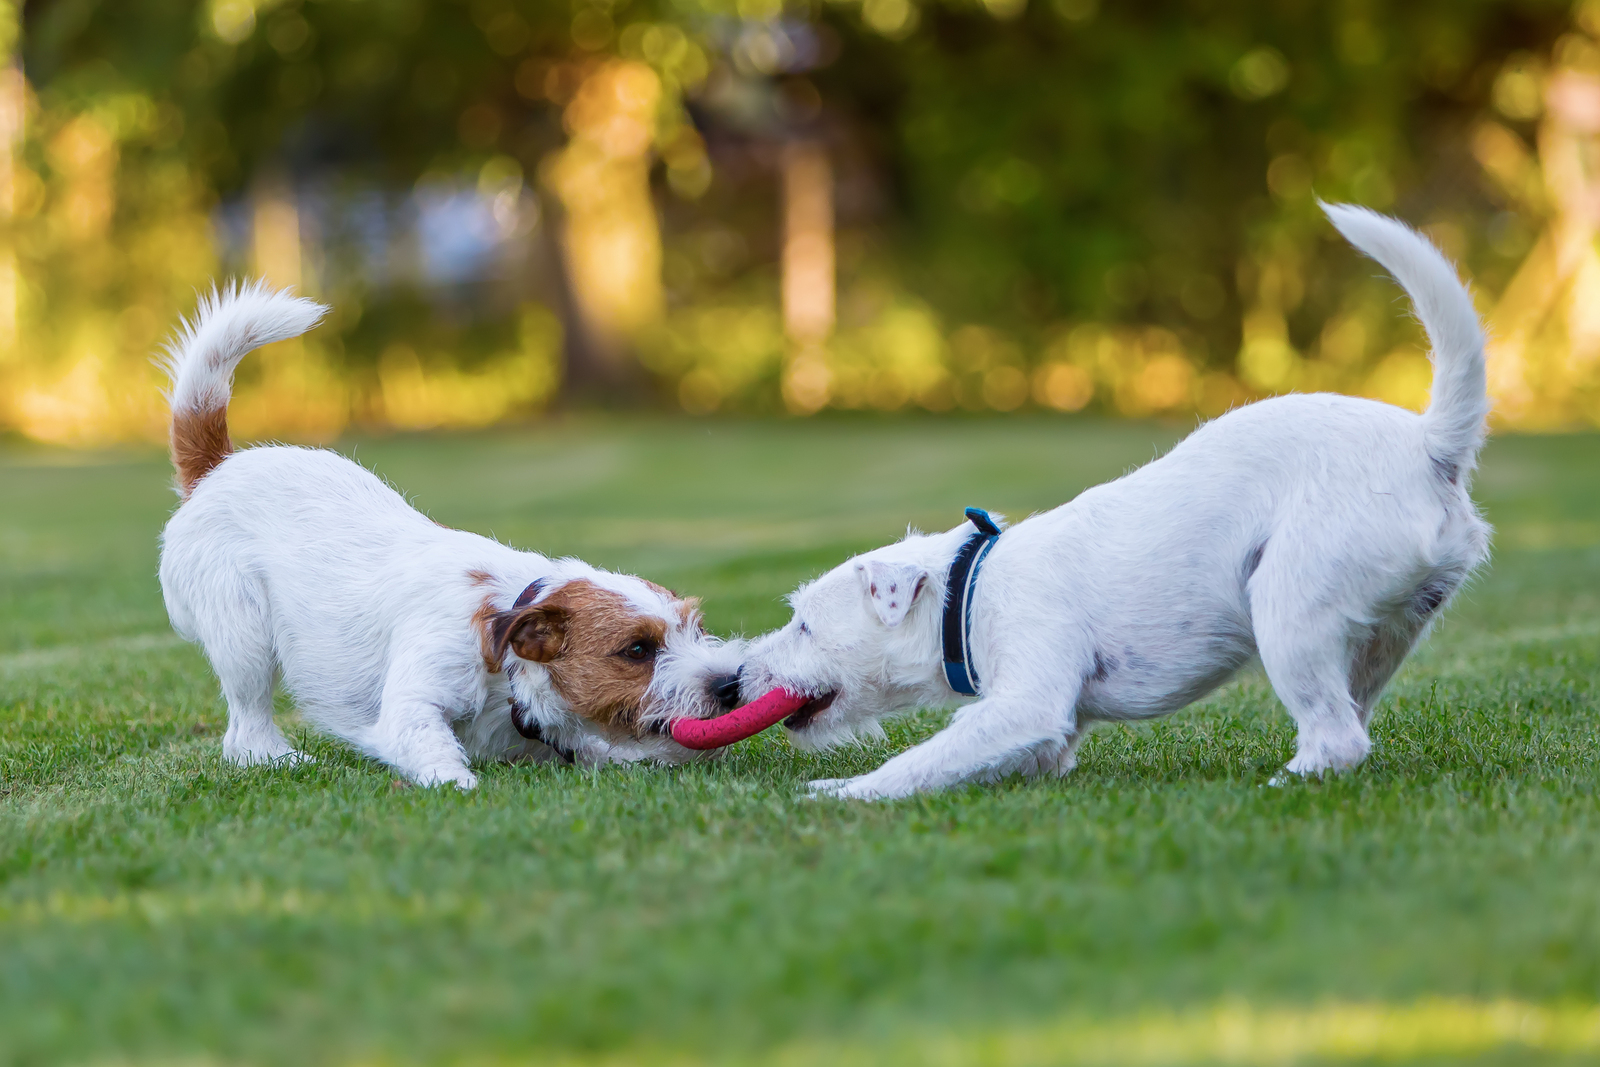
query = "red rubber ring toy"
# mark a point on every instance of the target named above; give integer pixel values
(739, 723)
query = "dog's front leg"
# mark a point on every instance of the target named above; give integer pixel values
(986, 741)
(413, 734)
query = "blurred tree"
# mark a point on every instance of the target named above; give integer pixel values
(382, 93)
(1057, 202)
(1157, 163)
(13, 112)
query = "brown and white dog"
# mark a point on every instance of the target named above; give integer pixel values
(420, 645)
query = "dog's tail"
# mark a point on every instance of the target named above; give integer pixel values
(229, 324)
(1452, 426)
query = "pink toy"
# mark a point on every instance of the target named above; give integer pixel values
(739, 723)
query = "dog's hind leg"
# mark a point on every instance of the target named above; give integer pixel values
(1377, 661)
(240, 651)
(252, 736)
(1395, 636)
(1306, 648)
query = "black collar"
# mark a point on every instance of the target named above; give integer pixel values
(529, 727)
(963, 578)
(528, 594)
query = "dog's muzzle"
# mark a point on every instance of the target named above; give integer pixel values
(725, 691)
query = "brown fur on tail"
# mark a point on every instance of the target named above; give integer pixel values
(199, 442)
(229, 324)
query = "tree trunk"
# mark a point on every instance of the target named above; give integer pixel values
(593, 371)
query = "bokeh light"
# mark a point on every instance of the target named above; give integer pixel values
(783, 209)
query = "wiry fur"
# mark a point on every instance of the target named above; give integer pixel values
(1453, 425)
(298, 564)
(1321, 533)
(201, 358)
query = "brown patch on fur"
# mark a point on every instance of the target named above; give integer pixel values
(483, 621)
(688, 606)
(582, 634)
(477, 577)
(689, 612)
(536, 634)
(199, 442)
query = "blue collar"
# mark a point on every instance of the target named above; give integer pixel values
(958, 670)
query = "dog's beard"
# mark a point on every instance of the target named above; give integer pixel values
(681, 686)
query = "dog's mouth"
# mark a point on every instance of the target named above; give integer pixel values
(809, 710)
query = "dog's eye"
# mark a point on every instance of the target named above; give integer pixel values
(640, 651)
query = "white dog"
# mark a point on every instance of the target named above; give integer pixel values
(420, 645)
(1321, 533)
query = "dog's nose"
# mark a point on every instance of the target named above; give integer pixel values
(726, 690)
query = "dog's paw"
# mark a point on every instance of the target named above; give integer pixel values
(287, 757)
(861, 788)
(1329, 750)
(1053, 759)
(459, 777)
(1317, 763)
(594, 752)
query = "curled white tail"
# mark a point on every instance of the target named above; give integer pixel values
(1453, 425)
(228, 325)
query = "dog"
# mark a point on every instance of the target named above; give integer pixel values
(422, 646)
(1320, 533)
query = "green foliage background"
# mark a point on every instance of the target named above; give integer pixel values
(1024, 169)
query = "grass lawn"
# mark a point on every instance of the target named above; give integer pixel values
(1160, 905)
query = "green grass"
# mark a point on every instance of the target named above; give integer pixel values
(1161, 905)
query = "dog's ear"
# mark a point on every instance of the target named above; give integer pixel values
(892, 588)
(535, 634)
